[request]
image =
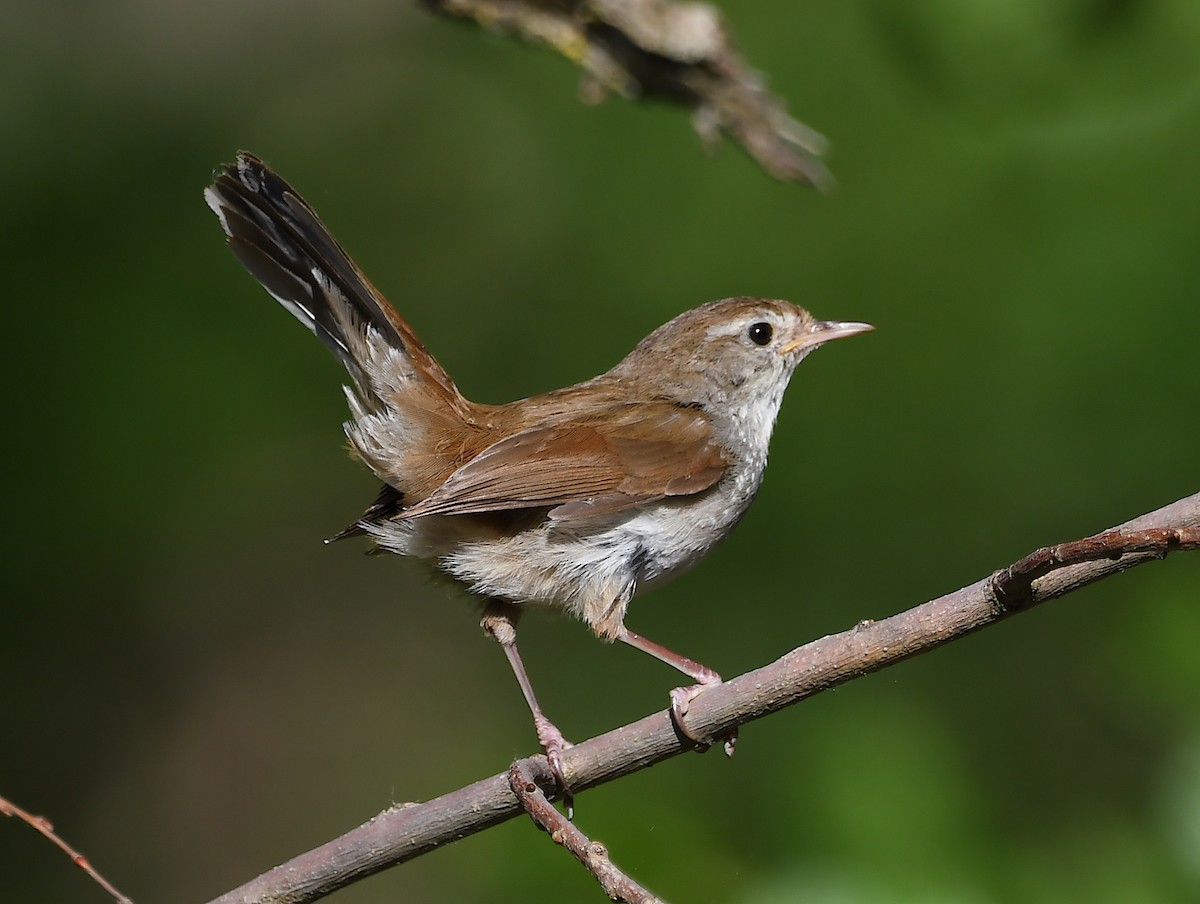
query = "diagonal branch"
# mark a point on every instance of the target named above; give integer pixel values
(404, 832)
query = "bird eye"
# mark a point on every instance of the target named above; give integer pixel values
(760, 333)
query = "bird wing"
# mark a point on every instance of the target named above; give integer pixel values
(587, 465)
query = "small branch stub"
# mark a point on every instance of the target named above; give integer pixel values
(1014, 586)
(592, 854)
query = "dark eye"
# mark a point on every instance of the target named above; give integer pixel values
(760, 333)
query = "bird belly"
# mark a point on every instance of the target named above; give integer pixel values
(588, 567)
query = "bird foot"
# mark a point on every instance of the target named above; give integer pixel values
(554, 745)
(681, 698)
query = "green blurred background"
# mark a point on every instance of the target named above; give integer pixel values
(196, 689)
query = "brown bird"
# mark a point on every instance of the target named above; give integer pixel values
(577, 499)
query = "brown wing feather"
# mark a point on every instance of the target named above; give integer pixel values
(634, 454)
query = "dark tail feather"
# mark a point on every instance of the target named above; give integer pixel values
(284, 245)
(388, 504)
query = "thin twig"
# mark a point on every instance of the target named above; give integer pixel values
(402, 833)
(8, 808)
(680, 52)
(592, 854)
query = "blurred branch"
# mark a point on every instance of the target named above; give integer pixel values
(675, 51)
(592, 854)
(43, 825)
(407, 831)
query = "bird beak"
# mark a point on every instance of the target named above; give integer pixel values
(822, 331)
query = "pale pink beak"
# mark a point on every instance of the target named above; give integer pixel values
(822, 331)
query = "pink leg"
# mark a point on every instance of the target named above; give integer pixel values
(500, 622)
(681, 697)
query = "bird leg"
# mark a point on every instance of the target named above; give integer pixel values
(500, 623)
(681, 697)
